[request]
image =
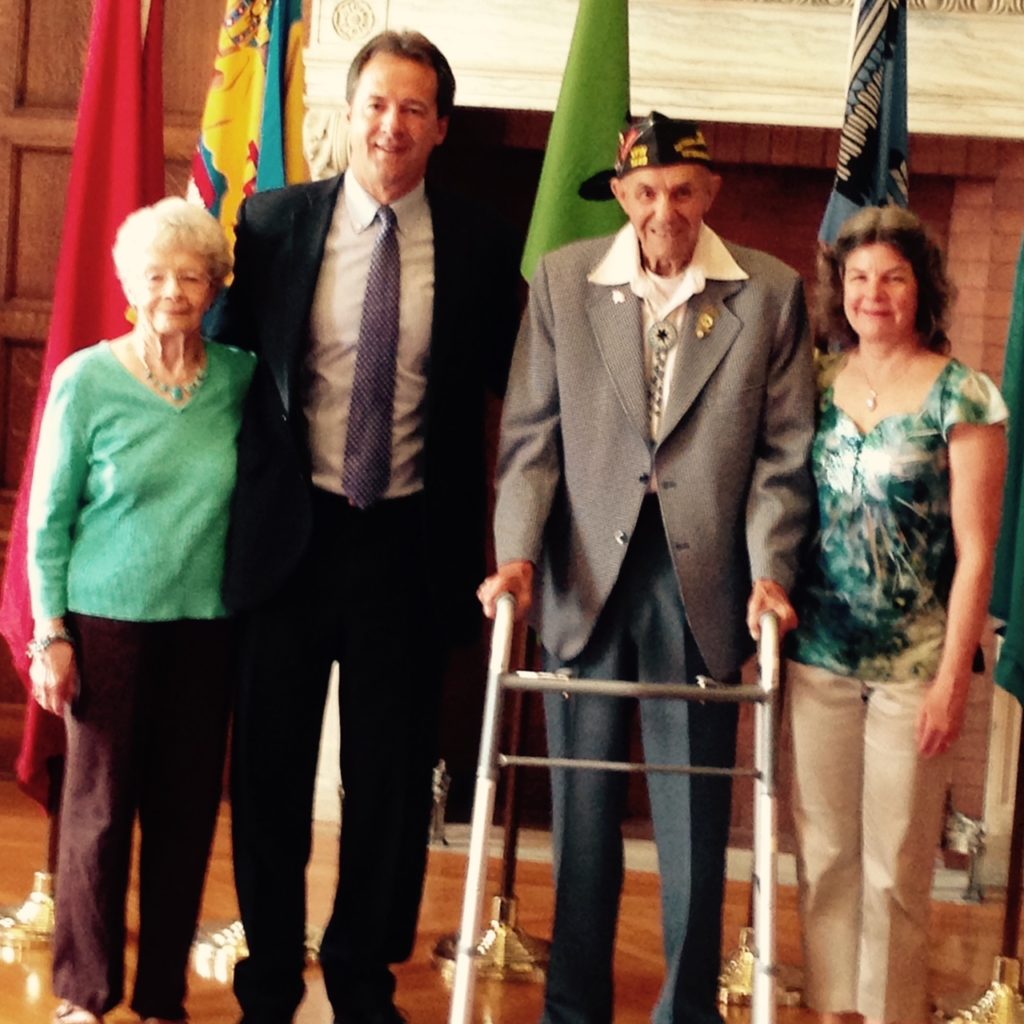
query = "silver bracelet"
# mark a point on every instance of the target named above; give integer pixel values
(42, 643)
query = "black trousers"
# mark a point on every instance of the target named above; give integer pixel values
(359, 599)
(146, 736)
(641, 635)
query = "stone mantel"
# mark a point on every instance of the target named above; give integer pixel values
(956, 6)
(740, 61)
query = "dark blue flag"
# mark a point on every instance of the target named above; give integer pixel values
(872, 166)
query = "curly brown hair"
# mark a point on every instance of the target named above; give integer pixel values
(904, 231)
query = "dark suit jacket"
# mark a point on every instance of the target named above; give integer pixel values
(280, 243)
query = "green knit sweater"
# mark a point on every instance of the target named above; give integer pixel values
(128, 513)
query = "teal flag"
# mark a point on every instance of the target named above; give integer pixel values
(250, 137)
(281, 159)
(1008, 590)
(872, 165)
(593, 105)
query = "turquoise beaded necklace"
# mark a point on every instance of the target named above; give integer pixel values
(176, 392)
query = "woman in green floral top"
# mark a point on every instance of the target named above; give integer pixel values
(909, 459)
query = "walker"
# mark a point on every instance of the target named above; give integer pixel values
(764, 695)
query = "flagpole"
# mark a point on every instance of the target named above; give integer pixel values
(1001, 1002)
(852, 43)
(1015, 871)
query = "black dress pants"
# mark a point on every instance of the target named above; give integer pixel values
(359, 598)
(146, 736)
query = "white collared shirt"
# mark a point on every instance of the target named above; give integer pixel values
(665, 298)
(334, 334)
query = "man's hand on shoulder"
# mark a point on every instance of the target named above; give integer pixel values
(769, 596)
(515, 578)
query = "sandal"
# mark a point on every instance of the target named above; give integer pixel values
(68, 1013)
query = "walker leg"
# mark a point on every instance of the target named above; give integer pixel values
(763, 995)
(483, 812)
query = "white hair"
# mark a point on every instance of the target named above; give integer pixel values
(171, 224)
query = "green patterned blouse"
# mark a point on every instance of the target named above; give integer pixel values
(873, 601)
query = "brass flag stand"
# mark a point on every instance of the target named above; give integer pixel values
(30, 925)
(505, 952)
(736, 980)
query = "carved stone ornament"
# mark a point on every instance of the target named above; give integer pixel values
(943, 6)
(324, 141)
(353, 19)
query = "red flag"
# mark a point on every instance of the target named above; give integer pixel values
(117, 165)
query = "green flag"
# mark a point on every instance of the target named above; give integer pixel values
(1008, 591)
(593, 105)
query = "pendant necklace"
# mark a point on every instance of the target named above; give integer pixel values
(872, 400)
(176, 392)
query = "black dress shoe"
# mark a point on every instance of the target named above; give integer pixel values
(384, 1015)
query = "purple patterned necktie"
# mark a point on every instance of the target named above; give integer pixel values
(371, 412)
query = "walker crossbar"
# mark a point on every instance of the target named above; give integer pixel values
(708, 691)
(764, 697)
(523, 761)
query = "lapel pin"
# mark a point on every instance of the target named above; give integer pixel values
(618, 298)
(705, 322)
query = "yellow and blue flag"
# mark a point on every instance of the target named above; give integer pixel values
(251, 134)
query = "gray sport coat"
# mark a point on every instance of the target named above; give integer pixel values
(575, 458)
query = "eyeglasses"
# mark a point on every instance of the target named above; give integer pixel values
(156, 278)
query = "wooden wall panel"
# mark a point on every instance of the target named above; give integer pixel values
(7, 256)
(36, 220)
(177, 174)
(22, 366)
(53, 58)
(190, 44)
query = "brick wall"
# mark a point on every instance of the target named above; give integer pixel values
(971, 192)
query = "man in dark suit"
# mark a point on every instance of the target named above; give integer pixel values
(333, 559)
(653, 478)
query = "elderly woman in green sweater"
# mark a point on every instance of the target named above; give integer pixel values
(128, 519)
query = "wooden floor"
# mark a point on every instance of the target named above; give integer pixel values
(966, 938)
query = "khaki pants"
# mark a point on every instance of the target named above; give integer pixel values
(868, 812)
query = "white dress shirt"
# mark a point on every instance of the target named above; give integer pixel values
(334, 334)
(665, 298)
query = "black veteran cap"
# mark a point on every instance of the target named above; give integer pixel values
(652, 141)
